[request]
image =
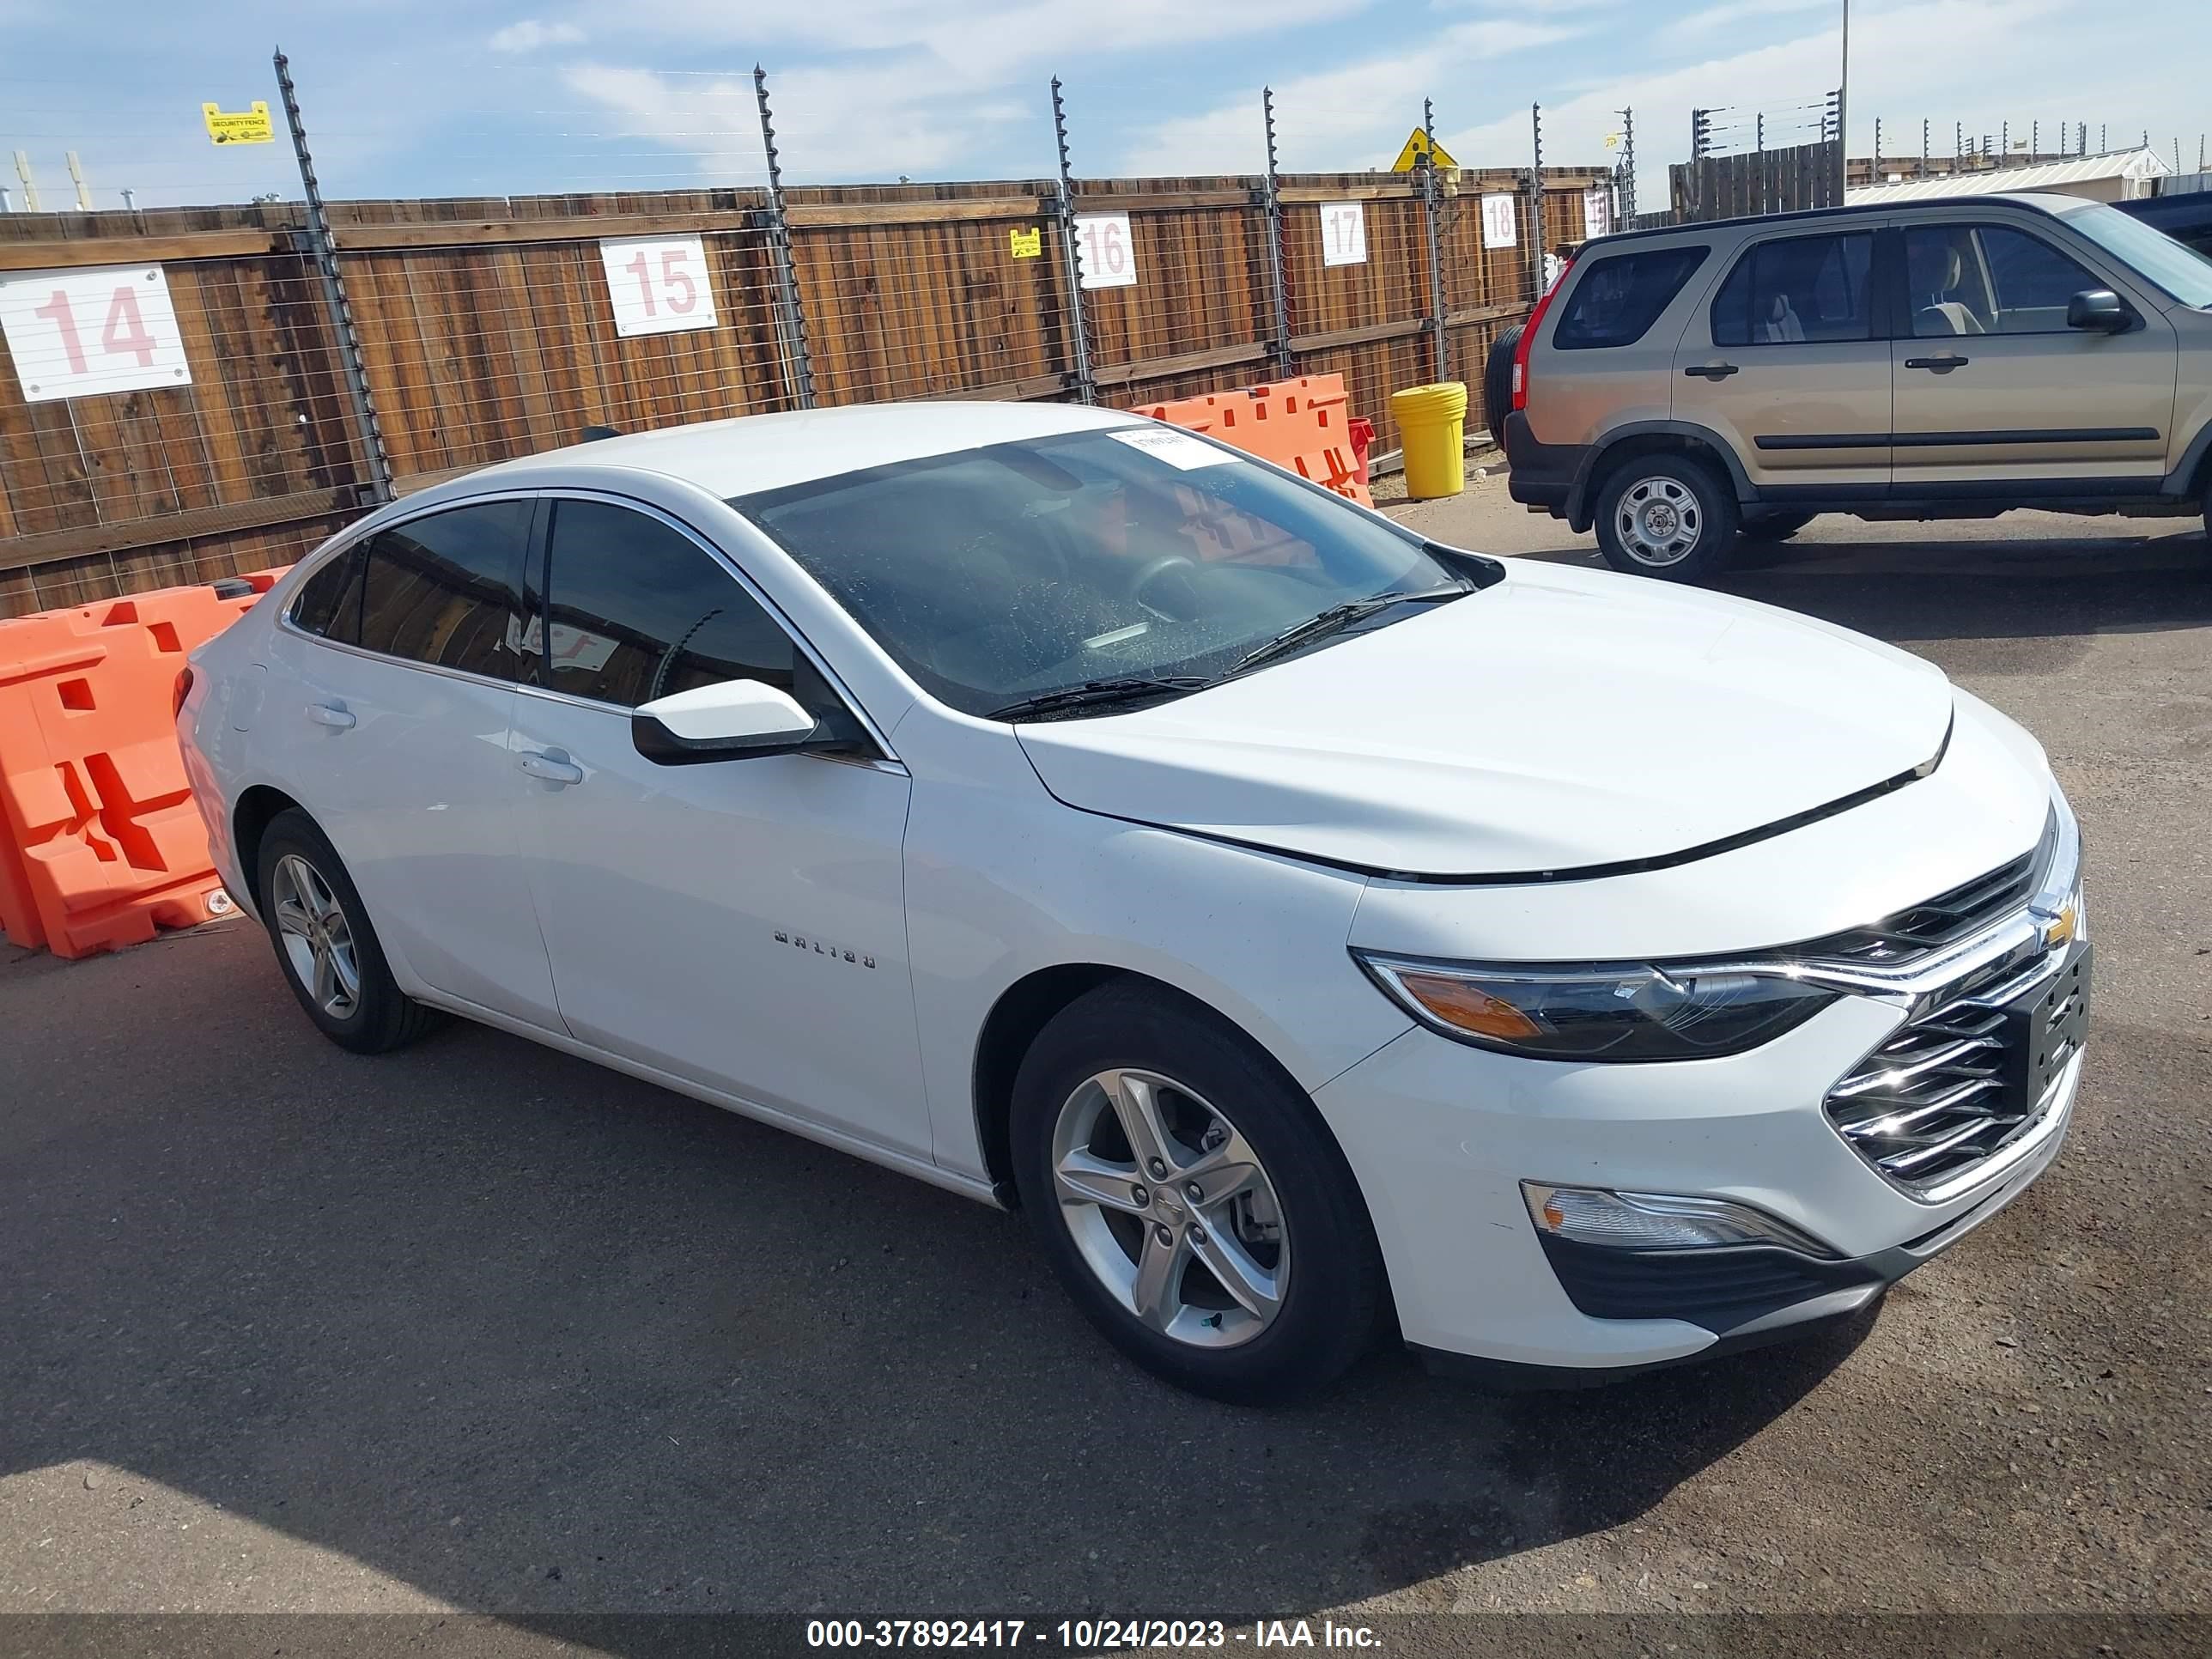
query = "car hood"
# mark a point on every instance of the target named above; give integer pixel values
(1559, 719)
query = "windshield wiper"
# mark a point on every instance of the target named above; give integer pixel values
(1094, 692)
(1339, 616)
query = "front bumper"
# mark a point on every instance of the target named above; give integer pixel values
(1477, 1285)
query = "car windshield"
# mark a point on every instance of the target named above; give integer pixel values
(1074, 563)
(2181, 270)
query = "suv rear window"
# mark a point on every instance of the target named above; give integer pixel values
(1615, 300)
(1797, 290)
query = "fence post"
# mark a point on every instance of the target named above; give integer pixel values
(1275, 294)
(1536, 183)
(792, 319)
(1431, 198)
(324, 251)
(1627, 170)
(1079, 336)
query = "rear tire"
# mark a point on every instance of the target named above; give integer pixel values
(1498, 382)
(1228, 1166)
(325, 946)
(1666, 516)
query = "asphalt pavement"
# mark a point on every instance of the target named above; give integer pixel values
(480, 1327)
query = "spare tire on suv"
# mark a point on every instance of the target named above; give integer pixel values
(1498, 382)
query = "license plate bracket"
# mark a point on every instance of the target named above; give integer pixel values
(2044, 1030)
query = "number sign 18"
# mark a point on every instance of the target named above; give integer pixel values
(1499, 226)
(657, 284)
(1343, 234)
(1104, 252)
(80, 333)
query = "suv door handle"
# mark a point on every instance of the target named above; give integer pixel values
(1937, 365)
(1710, 371)
(324, 714)
(553, 771)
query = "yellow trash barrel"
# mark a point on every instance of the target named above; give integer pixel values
(1432, 428)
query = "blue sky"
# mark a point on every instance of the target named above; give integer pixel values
(472, 97)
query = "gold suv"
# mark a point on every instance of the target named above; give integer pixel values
(1682, 389)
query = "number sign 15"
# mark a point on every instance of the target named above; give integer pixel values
(1343, 234)
(79, 333)
(657, 284)
(1103, 251)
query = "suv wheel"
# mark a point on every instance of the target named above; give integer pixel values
(1191, 1201)
(1666, 516)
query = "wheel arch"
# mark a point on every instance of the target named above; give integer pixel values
(250, 819)
(1651, 438)
(1020, 1015)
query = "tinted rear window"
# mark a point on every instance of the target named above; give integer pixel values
(1616, 300)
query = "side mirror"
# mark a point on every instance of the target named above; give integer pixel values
(2099, 309)
(735, 720)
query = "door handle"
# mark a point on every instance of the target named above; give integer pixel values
(323, 713)
(1710, 371)
(1936, 365)
(551, 770)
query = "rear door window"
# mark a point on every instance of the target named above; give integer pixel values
(445, 589)
(329, 604)
(1615, 300)
(1798, 290)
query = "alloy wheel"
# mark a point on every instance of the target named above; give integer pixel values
(317, 936)
(1170, 1207)
(1660, 521)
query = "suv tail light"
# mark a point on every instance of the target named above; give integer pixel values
(1528, 338)
(184, 689)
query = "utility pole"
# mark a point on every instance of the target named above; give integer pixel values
(1843, 113)
(1441, 352)
(1626, 171)
(1536, 196)
(793, 319)
(1079, 338)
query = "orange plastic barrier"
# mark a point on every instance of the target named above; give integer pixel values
(99, 842)
(1303, 424)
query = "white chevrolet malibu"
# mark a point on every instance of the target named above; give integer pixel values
(1313, 929)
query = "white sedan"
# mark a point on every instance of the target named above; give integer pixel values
(1314, 930)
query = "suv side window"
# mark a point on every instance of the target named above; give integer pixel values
(444, 589)
(1797, 290)
(1615, 300)
(1988, 279)
(635, 610)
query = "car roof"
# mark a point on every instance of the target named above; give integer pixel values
(754, 452)
(2036, 201)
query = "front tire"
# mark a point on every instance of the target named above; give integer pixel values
(325, 946)
(1666, 516)
(1191, 1201)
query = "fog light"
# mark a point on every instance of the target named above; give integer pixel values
(1658, 1221)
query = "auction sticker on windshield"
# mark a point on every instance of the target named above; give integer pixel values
(1164, 443)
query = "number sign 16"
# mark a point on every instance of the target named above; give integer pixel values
(79, 333)
(657, 284)
(1343, 234)
(1103, 251)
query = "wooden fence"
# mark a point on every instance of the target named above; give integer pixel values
(487, 331)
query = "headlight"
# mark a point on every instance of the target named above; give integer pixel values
(1601, 1012)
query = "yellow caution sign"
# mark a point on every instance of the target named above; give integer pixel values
(1417, 146)
(1025, 244)
(245, 127)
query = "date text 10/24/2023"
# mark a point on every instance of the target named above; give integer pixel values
(1088, 1635)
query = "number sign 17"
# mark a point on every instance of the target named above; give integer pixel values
(657, 284)
(1343, 234)
(1104, 253)
(81, 333)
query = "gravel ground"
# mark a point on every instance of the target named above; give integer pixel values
(479, 1326)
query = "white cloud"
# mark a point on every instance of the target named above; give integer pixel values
(1353, 117)
(530, 34)
(1740, 11)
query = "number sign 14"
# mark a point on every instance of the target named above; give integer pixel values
(80, 333)
(657, 284)
(1343, 234)
(1104, 255)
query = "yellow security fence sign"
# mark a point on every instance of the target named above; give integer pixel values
(1417, 145)
(1025, 244)
(245, 127)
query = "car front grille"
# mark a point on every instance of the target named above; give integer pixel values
(1943, 919)
(1961, 1081)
